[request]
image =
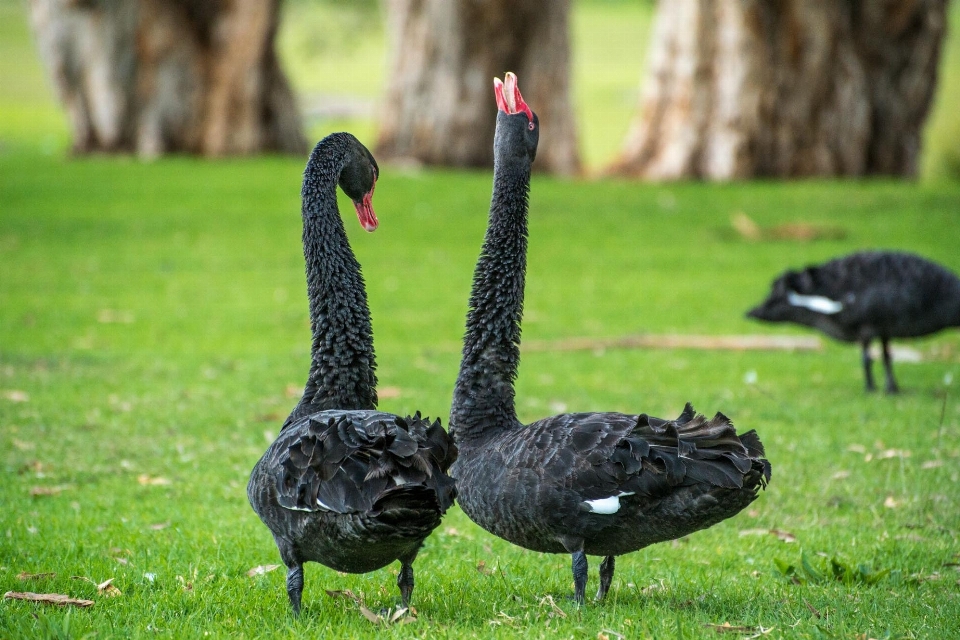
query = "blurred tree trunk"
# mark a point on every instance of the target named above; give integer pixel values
(746, 88)
(161, 76)
(439, 107)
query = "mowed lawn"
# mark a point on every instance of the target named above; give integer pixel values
(154, 334)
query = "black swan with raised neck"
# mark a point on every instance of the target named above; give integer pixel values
(867, 296)
(343, 484)
(580, 483)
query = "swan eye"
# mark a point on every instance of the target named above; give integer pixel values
(531, 126)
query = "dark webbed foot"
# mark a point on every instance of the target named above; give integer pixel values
(579, 565)
(295, 587)
(405, 582)
(606, 576)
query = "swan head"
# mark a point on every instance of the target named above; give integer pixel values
(793, 298)
(518, 127)
(358, 179)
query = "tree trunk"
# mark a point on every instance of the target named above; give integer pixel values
(746, 88)
(162, 76)
(439, 107)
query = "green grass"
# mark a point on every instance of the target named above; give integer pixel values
(153, 316)
(153, 324)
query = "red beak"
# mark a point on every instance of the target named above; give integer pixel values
(508, 95)
(368, 219)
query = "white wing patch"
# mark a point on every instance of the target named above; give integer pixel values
(606, 506)
(820, 304)
(323, 506)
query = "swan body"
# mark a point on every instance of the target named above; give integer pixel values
(579, 483)
(343, 484)
(867, 296)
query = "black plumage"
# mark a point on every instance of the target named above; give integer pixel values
(867, 296)
(343, 484)
(579, 483)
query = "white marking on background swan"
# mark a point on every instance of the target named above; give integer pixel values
(820, 304)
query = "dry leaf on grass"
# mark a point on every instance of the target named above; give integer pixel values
(346, 593)
(160, 526)
(23, 445)
(891, 503)
(34, 465)
(931, 464)
(785, 536)
(726, 627)
(262, 569)
(397, 617)
(152, 481)
(108, 589)
(48, 598)
(115, 316)
(482, 568)
(745, 226)
(554, 609)
(23, 575)
(15, 395)
(894, 453)
(388, 393)
(49, 491)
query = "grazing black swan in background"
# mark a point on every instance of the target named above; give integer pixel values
(582, 483)
(867, 295)
(343, 484)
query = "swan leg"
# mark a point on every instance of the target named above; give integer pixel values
(868, 365)
(405, 582)
(888, 368)
(295, 586)
(579, 576)
(606, 576)
(294, 573)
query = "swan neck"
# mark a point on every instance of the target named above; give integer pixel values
(342, 363)
(483, 401)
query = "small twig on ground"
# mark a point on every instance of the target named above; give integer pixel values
(677, 341)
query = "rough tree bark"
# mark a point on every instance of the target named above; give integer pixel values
(748, 88)
(161, 76)
(439, 106)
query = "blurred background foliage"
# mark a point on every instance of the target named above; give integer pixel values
(335, 54)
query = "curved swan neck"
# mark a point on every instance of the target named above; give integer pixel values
(483, 399)
(342, 361)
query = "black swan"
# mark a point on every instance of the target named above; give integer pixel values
(343, 484)
(867, 295)
(582, 483)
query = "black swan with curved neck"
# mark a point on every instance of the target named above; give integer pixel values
(580, 483)
(865, 296)
(346, 485)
